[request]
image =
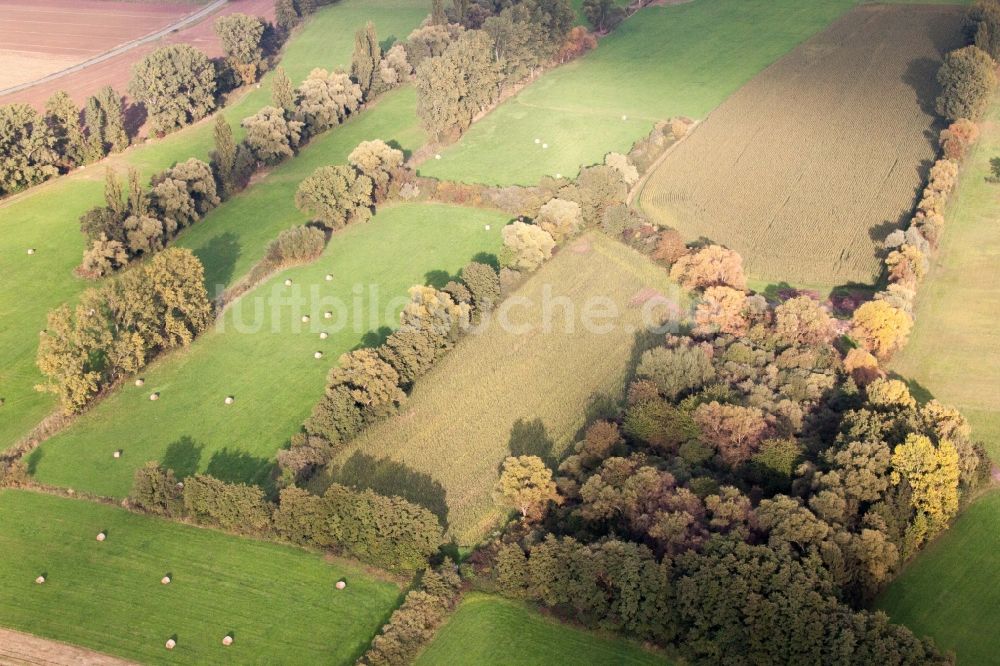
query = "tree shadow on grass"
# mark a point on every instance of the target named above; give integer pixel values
(219, 257)
(234, 466)
(487, 258)
(437, 279)
(33, 459)
(374, 338)
(390, 477)
(183, 457)
(921, 393)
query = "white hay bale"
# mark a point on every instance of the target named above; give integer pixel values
(40, 580)
(545, 145)
(324, 335)
(558, 175)
(437, 156)
(170, 644)
(165, 580)
(154, 396)
(288, 282)
(537, 141)
(327, 315)
(305, 319)
(229, 399)
(341, 584)
(101, 536)
(318, 355)
(31, 250)
(624, 117)
(180, 485)
(227, 640)
(329, 278)
(486, 227)
(117, 453)
(140, 381)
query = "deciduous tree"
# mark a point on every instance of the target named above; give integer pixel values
(177, 85)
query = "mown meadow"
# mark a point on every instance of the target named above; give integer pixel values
(490, 631)
(262, 354)
(45, 218)
(108, 596)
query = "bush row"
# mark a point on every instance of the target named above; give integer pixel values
(385, 531)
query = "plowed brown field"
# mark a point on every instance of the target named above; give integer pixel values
(810, 165)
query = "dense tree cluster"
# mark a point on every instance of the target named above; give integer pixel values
(117, 329)
(177, 84)
(968, 79)
(465, 57)
(242, 41)
(750, 497)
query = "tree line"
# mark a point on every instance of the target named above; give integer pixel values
(174, 85)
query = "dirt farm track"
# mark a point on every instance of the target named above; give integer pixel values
(40, 37)
(809, 166)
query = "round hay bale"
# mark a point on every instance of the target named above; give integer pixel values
(170, 644)
(31, 250)
(154, 396)
(624, 117)
(437, 156)
(40, 580)
(324, 335)
(117, 453)
(140, 381)
(486, 227)
(230, 399)
(329, 278)
(227, 640)
(288, 282)
(341, 584)
(101, 536)
(559, 176)
(318, 354)
(165, 580)
(545, 145)
(327, 315)
(305, 319)
(537, 141)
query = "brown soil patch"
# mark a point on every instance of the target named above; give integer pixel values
(17, 648)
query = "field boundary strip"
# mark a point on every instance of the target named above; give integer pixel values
(189, 19)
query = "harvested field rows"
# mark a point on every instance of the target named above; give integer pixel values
(809, 166)
(520, 387)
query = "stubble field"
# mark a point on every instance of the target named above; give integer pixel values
(808, 167)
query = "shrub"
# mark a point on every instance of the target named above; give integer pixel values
(958, 138)
(619, 218)
(378, 161)
(623, 165)
(26, 155)
(526, 246)
(231, 506)
(241, 37)
(411, 353)
(968, 79)
(176, 84)
(709, 267)
(155, 490)
(184, 194)
(676, 371)
(325, 99)
(596, 189)
(484, 284)
(299, 244)
(880, 328)
(336, 196)
(270, 137)
(560, 218)
(670, 247)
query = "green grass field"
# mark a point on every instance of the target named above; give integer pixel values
(950, 592)
(662, 62)
(952, 353)
(46, 217)
(490, 631)
(524, 387)
(262, 354)
(279, 602)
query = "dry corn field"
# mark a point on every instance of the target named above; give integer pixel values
(497, 390)
(808, 167)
